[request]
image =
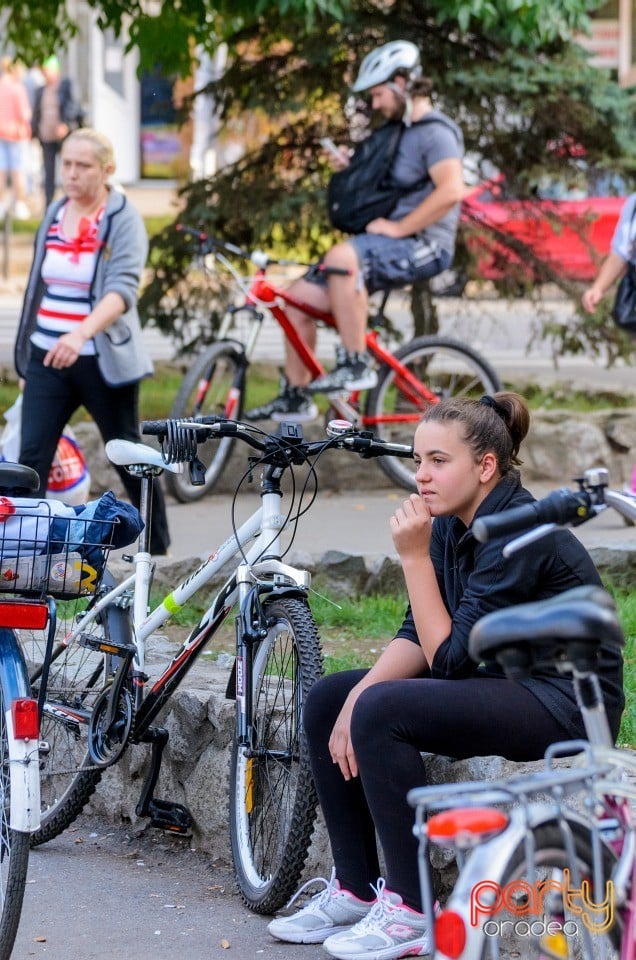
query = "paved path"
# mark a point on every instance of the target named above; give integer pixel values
(100, 892)
(351, 522)
(498, 329)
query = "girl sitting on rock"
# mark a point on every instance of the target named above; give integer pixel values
(366, 729)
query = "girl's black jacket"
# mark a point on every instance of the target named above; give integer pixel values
(475, 579)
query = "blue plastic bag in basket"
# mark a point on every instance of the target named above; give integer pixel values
(99, 523)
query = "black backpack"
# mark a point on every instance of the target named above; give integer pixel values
(365, 189)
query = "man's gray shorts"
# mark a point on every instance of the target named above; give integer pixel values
(386, 262)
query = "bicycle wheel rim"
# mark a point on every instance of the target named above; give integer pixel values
(445, 368)
(14, 847)
(213, 386)
(273, 800)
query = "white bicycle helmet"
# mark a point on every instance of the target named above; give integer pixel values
(381, 65)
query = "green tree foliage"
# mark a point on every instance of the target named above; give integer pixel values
(522, 91)
(162, 32)
(507, 70)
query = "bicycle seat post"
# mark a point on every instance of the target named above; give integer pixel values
(145, 506)
(590, 699)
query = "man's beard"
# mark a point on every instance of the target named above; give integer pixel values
(398, 112)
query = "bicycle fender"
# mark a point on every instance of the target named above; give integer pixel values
(488, 862)
(23, 754)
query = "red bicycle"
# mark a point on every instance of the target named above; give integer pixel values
(410, 378)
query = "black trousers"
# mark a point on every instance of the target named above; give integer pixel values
(392, 722)
(50, 399)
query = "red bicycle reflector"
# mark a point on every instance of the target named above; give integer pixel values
(466, 826)
(26, 724)
(28, 616)
(450, 934)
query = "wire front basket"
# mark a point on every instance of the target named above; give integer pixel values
(45, 553)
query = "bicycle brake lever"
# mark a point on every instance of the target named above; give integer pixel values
(519, 542)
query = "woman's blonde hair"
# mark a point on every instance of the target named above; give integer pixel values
(101, 145)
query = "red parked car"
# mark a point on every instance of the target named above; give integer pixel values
(568, 227)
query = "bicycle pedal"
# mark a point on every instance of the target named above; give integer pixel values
(171, 817)
(105, 646)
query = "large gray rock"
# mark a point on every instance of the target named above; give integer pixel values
(195, 771)
(561, 445)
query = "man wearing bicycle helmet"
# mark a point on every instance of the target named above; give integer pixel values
(414, 242)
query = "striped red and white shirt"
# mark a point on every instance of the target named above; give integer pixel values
(67, 271)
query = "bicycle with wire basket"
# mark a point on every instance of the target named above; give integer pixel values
(410, 378)
(45, 555)
(547, 861)
(100, 698)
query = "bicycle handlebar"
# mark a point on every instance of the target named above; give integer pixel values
(285, 446)
(559, 507)
(563, 507)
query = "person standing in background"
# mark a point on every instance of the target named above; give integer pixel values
(32, 80)
(56, 112)
(79, 340)
(622, 252)
(15, 132)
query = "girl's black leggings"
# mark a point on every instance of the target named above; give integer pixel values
(392, 722)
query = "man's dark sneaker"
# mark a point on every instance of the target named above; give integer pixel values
(353, 371)
(293, 404)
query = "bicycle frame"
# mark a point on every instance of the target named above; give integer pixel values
(261, 293)
(23, 752)
(262, 529)
(484, 863)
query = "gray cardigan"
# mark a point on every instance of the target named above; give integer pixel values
(122, 355)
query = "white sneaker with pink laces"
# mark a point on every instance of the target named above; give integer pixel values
(330, 911)
(388, 931)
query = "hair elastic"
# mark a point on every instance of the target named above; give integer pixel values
(492, 403)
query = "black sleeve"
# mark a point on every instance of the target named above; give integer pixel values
(550, 566)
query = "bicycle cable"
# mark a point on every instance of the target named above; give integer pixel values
(180, 443)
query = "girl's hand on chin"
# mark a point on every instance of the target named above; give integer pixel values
(411, 527)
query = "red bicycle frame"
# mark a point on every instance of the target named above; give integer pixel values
(262, 290)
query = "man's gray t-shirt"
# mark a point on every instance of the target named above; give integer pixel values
(421, 146)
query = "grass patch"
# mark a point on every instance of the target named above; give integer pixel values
(626, 604)
(355, 632)
(29, 227)
(157, 393)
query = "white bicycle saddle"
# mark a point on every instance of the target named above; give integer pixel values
(125, 453)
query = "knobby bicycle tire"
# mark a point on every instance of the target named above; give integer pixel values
(78, 674)
(273, 800)
(14, 844)
(550, 861)
(213, 386)
(447, 368)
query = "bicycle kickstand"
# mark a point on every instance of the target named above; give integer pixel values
(164, 814)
